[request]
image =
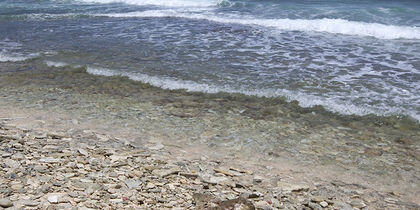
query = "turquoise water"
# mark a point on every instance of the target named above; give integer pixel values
(352, 57)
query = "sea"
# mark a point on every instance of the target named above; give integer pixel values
(352, 57)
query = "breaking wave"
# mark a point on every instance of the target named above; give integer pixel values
(305, 100)
(335, 26)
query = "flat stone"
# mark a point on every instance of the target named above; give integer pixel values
(29, 203)
(317, 199)
(358, 204)
(6, 155)
(257, 179)
(16, 186)
(157, 146)
(53, 199)
(314, 206)
(210, 179)
(256, 195)
(132, 184)
(225, 172)
(18, 156)
(11, 163)
(323, 204)
(115, 158)
(5, 203)
(261, 204)
(56, 136)
(189, 175)
(83, 152)
(165, 172)
(50, 160)
(289, 187)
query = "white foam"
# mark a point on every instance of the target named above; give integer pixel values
(335, 26)
(165, 3)
(4, 57)
(55, 64)
(305, 100)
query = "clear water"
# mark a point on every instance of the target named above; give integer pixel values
(350, 56)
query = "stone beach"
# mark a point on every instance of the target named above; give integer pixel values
(90, 171)
(73, 140)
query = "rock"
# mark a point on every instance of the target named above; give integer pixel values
(237, 204)
(341, 205)
(150, 186)
(358, 204)
(53, 199)
(29, 203)
(289, 187)
(83, 152)
(317, 199)
(171, 204)
(323, 204)
(41, 169)
(6, 155)
(75, 122)
(261, 204)
(257, 179)
(165, 172)
(189, 175)
(50, 160)
(5, 203)
(256, 195)
(16, 186)
(240, 170)
(207, 178)
(225, 172)
(115, 158)
(18, 156)
(56, 136)
(132, 184)
(202, 199)
(157, 146)
(11, 163)
(314, 206)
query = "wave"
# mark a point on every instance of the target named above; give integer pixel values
(305, 100)
(56, 64)
(4, 57)
(165, 3)
(335, 26)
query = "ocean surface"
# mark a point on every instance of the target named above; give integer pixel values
(350, 56)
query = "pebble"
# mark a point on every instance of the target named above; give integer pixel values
(5, 203)
(53, 199)
(358, 204)
(132, 184)
(323, 204)
(257, 179)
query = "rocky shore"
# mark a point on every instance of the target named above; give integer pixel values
(89, 170)
(72, 140)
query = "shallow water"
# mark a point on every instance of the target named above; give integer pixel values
(351, 57)
(380, 150)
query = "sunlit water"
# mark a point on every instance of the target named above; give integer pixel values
(352, 57)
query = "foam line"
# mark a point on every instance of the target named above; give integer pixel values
(335, 26)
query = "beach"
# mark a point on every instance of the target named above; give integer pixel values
(110, 142)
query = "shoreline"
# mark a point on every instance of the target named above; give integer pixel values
(293, 142)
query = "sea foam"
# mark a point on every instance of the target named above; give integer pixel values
(304, 99)
(335, 26)
(165, 3)
(4, 57)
